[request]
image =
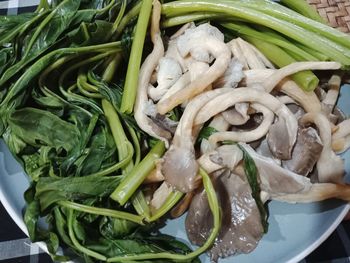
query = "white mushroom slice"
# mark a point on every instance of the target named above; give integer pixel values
(237, 53)
(246, 136)
(330, 167)
(180, 84)
(341, 138)
(225, 156)
(197, 68)
(293, 68)
(168, 73)
(275, 180)
(254, 58)
(333, 92)
(209, 44)
(160, 196)
(318, 192)
(232, 76)
(180, 166)
(182, 30)
(253, 76)
(237, 115)
(307, 100)
(147, 68)
(219, 124)
(286, 100)
(237, 95)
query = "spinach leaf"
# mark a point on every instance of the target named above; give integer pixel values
(38, 127)
(50, 190)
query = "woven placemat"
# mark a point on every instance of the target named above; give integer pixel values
(336, 12)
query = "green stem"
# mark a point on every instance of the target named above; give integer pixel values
(131, 80)
(76, 242)
(140, 204)
(118, 165)
(302, 7)
(173, 198)
(120, 139)
(119, 17)
(136, 142)
(215, 209)
(85, 87)
(102, 211)
(127, 19)
(111, 68)
(137, 175)
(186, 18)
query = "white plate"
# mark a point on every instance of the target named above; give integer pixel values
(294, 232)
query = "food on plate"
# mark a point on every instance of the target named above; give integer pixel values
(125, 114)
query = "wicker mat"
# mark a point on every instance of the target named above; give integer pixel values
(336, 12)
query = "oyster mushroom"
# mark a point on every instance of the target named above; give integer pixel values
(333, 92)
(168, 73)
(241, 227)
(237, 115)
(306, 152)
(330, 167)
(246, 136)
(180, 167)
(201, 42)
(341, 137)
(225, 156)
(222, 102)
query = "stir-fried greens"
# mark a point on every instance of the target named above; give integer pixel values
(125, 113)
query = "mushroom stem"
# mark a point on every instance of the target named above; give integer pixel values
(341, 138)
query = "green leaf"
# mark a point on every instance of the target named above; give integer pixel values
(205, 133)
(38, 127)
(50, 190)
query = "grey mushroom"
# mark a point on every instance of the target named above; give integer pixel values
(241, 227)
(306, 152)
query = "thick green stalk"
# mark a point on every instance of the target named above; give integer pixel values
(215, 209)
(132, 75)
(102, 211)
(121, 141)
(305, 79)
(186, 18)
(137, 175)
(302, 7)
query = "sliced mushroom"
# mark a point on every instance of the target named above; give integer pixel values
(330, 167)
(293, 68)
(264, 150)
(160, 196)
(168, 73)
(147, 68)
(306, 152)
(333, 92)
(246, 136)
(237, 115)
(318, 192)
(225, 156)
(222, 102)
(180, 166)
(232, 76)
(341, 138)
(241, 227)
(275, 180)
(201, 44)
